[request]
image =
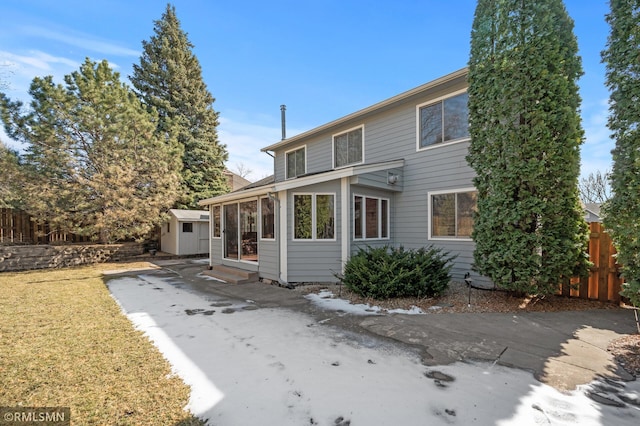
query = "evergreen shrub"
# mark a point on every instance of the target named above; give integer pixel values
(386, 272)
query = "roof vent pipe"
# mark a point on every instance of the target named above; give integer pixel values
(283, 108)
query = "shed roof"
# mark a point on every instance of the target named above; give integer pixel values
(190, 215)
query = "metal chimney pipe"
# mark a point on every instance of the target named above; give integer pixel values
(283, 108)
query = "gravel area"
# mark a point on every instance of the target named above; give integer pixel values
(456, 299)
(626, 349)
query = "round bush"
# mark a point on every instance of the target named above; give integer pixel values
(386, 272)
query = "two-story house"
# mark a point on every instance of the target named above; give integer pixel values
(393, 173)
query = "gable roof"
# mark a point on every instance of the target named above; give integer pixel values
(373, 108)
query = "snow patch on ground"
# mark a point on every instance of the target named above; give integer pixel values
(274, 366)
(325, 299)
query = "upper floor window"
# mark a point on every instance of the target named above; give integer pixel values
(348, 148)
(452, 214)
(296, 162)
(443, 121)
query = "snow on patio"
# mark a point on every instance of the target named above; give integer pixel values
(274, 366)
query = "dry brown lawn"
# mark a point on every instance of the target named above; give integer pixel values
(66, 343)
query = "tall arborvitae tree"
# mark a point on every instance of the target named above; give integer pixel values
(169, 79)
(95, 165)
(622, 212)
(526, 134)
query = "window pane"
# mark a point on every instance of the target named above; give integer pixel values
(324, 217)
(291, 164)
(300, 163)
(456, 117)
(355, 146)
(467, 204)
(357, 217)
(187, 227)
(302, 216)
(384, 213)
(431, 124)
(341, 148)
(216, 221)
(443, 221)
(268, 218)
(371, 218)
(249, 230)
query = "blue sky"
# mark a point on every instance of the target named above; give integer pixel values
(323, 59)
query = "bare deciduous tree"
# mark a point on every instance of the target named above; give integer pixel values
(596, 187)
(242, 170)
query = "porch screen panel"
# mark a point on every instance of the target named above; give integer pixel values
(249, 231)
(268, 218)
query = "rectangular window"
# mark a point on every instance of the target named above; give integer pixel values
(348, 148)
(268, 218)
(296, 162)
(314, 216)
(452, 214)
(357, 217)
(444, 121)
(370, 217)
(187, 227)
(216, 222)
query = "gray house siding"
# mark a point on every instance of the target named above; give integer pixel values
(268, 259)
(317, 260)
(389, 134)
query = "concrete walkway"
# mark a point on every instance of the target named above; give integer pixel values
(562, 349)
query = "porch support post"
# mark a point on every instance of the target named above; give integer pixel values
(345, 224)
(283, 226)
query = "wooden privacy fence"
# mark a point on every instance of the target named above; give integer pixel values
(16, 227)
(604, 282)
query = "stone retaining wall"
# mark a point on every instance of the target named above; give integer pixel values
(21, 258)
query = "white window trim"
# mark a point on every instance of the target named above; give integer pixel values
(260, 216)
(212, 216)
(313, 218)
(333, 147)
(431, 102)
(363, 218)
(430, 209)
(286, 162)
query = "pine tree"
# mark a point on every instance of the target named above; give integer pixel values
(169, 78)
(10, 178)
(526, 134)
(94, 164)
(622, 212)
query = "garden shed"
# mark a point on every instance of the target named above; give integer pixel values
(186, 232)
